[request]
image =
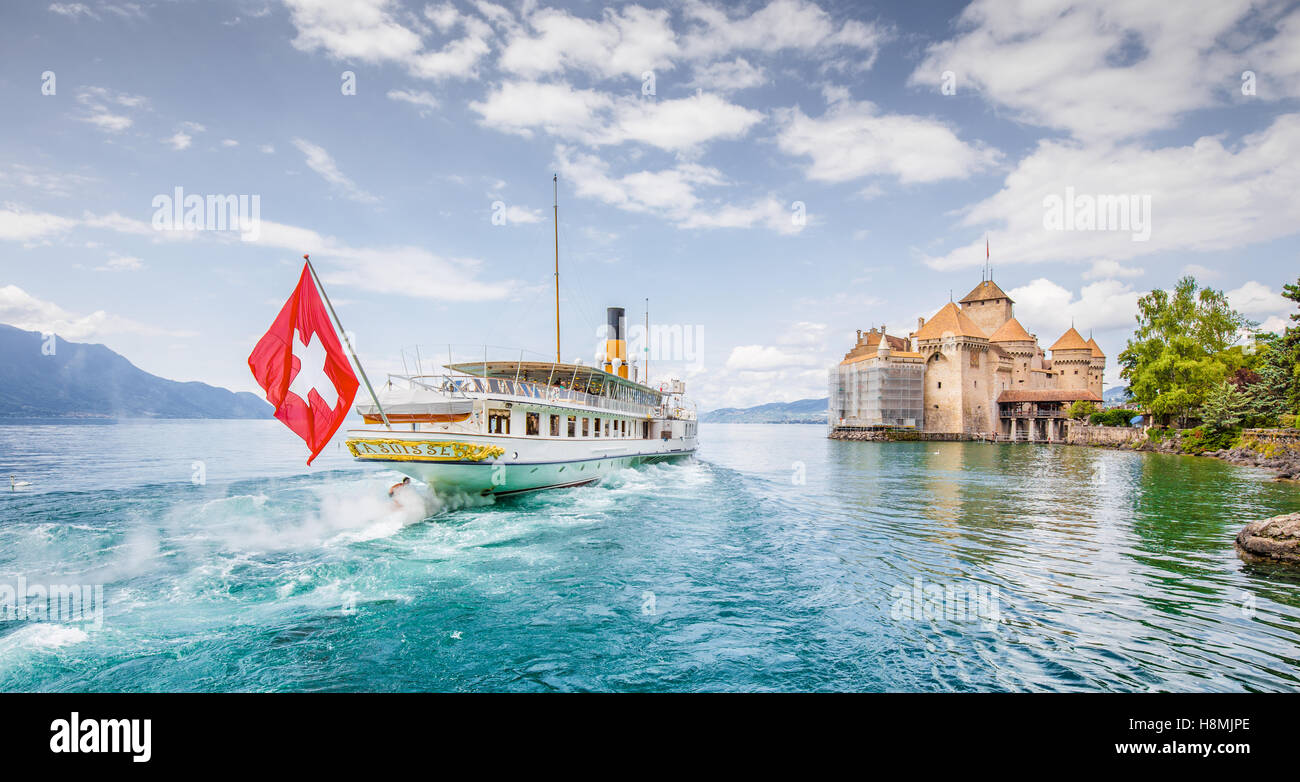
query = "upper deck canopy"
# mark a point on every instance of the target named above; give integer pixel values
(578, 376)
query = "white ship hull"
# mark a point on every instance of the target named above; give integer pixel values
(504, 465)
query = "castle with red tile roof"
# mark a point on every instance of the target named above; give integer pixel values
(970, 369)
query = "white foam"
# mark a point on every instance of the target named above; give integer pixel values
(41, 635)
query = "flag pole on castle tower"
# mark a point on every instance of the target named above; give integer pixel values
(339, 325)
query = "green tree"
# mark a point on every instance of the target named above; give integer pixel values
(1081, 408)
(1225, 407)
(1175, 357)
(1289, 350)
(1267, 399)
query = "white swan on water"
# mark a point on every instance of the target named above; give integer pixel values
(15, 485)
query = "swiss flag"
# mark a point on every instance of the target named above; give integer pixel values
(303, 369)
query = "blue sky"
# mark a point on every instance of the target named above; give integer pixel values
(686, 195)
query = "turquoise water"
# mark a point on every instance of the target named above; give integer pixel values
(774, 562)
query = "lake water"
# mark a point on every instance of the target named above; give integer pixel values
(779, 560)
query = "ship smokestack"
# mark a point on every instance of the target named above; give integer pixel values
(616, 342)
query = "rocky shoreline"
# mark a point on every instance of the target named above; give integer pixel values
(1285, 462)
(1286, 466)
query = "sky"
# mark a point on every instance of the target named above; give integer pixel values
(772, 176)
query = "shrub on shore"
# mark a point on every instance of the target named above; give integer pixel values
(1117, 417)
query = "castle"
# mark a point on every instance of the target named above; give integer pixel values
(969, 371)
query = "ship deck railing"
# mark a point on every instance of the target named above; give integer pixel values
(524, 391)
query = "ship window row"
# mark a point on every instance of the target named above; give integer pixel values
(498, 422)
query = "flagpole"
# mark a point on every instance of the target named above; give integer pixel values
(555, 180)
(339, 324)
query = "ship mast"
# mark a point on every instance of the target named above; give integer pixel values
(555, 179)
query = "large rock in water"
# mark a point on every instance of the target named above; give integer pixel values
(1271, 540)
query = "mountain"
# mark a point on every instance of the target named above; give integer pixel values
(1116, 395)
(803, 411)
(90, 381)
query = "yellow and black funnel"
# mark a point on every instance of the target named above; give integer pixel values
(616, 341)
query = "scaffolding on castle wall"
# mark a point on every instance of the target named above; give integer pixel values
(877, 395)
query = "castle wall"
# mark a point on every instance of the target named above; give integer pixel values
(1074, 369)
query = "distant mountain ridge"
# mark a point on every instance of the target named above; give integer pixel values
(1115, 395)
(802, 411)
(83, 380)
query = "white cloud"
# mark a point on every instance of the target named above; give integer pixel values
(682, 124)
(781, 25)
(103, 108)
(50, 183)
(1275, 324)
(794, 368)
(1201, 272)
(1204, 196)
(229, 142)
(625, 42)
(522, 214)
(181, 140)
(378, 31)
(767, 212)
(670, 194)
(397, 270)
(596, 119)
(628, 41)
(1276, 61)
(22, 310)
(1048, 309)
(758, 358)
(728, 76)
(1256, 299)
(424, 101)
(319, 160)
(1096, 70)
(266, 149)
(1105, 268)
(121, 263)
(522, 107)
(73, 10)
(854, 140)
(20, 225)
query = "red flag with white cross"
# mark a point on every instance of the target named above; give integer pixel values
(303, 369)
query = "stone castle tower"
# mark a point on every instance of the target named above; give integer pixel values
(1072, 361)
(959, 372)
(987, 306)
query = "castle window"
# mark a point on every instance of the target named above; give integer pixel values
(939, 385)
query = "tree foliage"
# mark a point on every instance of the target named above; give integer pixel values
(1225, 407)
(1081, 408)
(1115, 417)
(1179, 351)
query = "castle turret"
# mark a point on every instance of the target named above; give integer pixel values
(1072, 361)
(1098, 369)
(987, 306)
(1022, 347)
